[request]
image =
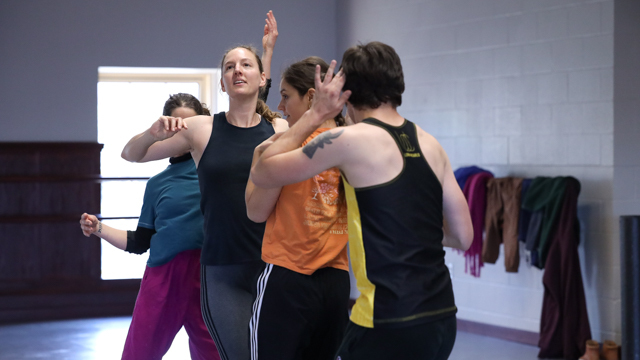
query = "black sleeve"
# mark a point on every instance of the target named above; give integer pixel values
(264, 91)
(139, 241)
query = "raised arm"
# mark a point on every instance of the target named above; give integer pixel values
(458, 230)
(270, 169)
(260, 202)
(91, 225)
(158, 142)
(268, 44)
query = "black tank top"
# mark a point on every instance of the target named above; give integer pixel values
(229, 236)
(399, 257)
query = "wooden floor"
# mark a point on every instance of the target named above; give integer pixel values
(102, 339)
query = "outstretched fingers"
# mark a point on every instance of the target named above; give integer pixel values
(330, 99)
(344, 97)
(339, 80)
(270, 32)
(272, 23)
(329, 76)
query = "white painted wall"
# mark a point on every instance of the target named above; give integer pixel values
(522, 88)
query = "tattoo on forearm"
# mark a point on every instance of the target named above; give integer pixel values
(319, 142)
(100, 227)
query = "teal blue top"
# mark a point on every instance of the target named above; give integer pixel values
(171, 208)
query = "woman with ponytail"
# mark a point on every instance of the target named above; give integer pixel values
(222, 147)
(303, 293)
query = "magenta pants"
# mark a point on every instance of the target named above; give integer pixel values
(169, 298)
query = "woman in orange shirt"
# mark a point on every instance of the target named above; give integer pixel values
(301, 309)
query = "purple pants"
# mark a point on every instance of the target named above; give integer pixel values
(169, 298)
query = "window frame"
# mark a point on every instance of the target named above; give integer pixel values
(207, 78)
(210, 93)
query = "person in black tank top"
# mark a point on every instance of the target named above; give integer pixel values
(403, 201)
(222, 147)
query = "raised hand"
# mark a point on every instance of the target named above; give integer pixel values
(89, 224)
(270, 33)
(166, 126)
(329, 99)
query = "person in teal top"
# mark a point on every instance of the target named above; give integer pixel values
(171, 227)
(171, 210)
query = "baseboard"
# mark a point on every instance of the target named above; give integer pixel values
(515, 335)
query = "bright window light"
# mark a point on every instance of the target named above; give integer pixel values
(126, 108)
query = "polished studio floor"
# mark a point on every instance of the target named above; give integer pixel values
(93, 339)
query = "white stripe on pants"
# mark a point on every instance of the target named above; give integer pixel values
(257, 305)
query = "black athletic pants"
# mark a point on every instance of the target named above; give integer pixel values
(428, 341)
(228, 292)
(298, 316)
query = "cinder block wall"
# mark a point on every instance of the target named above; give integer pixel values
(521, 88)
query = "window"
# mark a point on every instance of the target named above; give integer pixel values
(129, 100)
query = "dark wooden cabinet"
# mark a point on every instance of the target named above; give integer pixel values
(48, 269)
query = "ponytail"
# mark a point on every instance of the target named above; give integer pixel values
(205, 110)
(264, 111)
(339, 119)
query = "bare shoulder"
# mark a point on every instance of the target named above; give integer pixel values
(199, 120)
(434, 152)
(361, 137)
(198, 125)
(333, 143)
(366, 131)
(361, 142)
(428, 143)
(352, 135)
(280, 125)
(198, 133)
(335, 137)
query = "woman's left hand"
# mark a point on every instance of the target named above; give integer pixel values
(270, 32)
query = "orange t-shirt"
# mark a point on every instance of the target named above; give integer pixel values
(307, 230)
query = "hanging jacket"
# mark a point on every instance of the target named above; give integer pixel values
(501, 221)
(564, 323)
(545, 194)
